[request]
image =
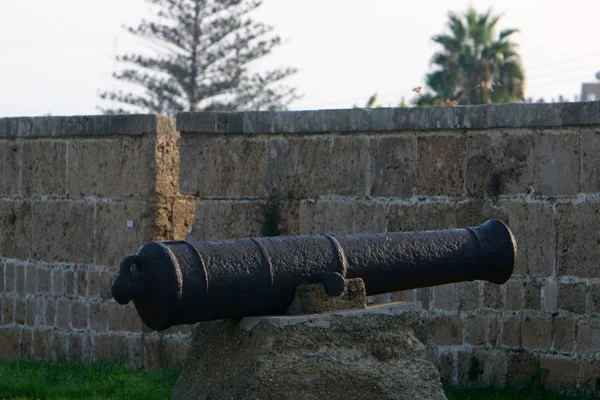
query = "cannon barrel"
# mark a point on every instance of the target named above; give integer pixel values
(180, 282)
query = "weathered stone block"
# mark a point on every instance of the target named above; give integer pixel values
(135, 352)
(80, 346)
(401, 218)
(532, 297)
(563, 334)
(467, 295)
(556, 163)
(122, 318)
(590, 160)
(99, 317)
(154, 352)
(511, 331)
(341, 217)
(588, 336)
(44, 168)
(494, 331)
(492, 296)
(9, 277)
(120, 167)
(590, 375)
(499, 163)
(61, 345)
(300, 168)
(63, 313)
(550, 296)
(20, 279)
(15, 225)
(26, 344)
(349, 159)
(514, 295)
(446, 367)
(440, 167)
(20, 310)
(475, 326)
(43, 344)
(80, 315)
(111, 348)
(572, 297)
(594, 298)
(64, 231)
(578, 247)
(445, 330)
(31, 307)
(392, 166)
(223, 166)
(183, 217)
(10, 167)
(288, 217)
(8, 310)
(387, 363)
(537, 333)
(9, 342)
(216, 220)
(476, 212)
(520, 367)
(48, 312)
(534, 228)
(121, 228)
(561, 372)
(445, 297)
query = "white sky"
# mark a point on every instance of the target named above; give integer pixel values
(55, 55)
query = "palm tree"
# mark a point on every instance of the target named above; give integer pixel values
(473, 66)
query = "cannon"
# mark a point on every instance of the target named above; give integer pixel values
(182, 282)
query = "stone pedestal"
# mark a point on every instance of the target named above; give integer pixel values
(369, 353)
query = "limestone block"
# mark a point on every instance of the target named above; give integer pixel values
(537, 333)
(392, 166)
(562, 372)
(312, 299)
(475, 326)
(215, 220)
(514, 295)
(588, 336)
(572, 297)
(445, 297)
(349, 159)
(121, 228)
(520, 367)
(110, 347)
(341, 217)
(183, 217)
(594, 298)
(117, 167)
(401, 218)
(361, 354)
(578, 239)
(590, 374)
(440, 167)
(10, 167)
(15, 225)
(9, 342)
(445, 330)
(467, 296)
(492, 296)
(556, 163)
(499, 162)
(511, 331)
(223, 166)
(63, 231)
(43, 344)
(44, 167)
(300, 167)
(563, 334)
(532, 300)
(590, 159)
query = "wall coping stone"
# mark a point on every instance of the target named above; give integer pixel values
(517, 115)
(87, 125)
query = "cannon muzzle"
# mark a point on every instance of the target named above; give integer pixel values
(180, 282)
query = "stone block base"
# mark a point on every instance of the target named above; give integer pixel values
(359, 354)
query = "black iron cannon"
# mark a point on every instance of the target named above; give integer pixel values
(180, 282)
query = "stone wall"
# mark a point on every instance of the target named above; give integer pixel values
(77, 194)
(534, 166)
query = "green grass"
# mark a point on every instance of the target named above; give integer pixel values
(509, 394)
(20, 380)
(57, 381)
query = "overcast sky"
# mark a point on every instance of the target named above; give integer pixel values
(56, 55)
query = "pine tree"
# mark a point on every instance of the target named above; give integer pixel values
(205, 50)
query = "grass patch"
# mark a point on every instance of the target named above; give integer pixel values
(67, 380)
(33, 380)
(489, 393)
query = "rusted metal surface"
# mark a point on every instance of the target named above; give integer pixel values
(180, 282)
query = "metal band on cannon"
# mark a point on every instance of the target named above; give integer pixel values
(179, 282)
